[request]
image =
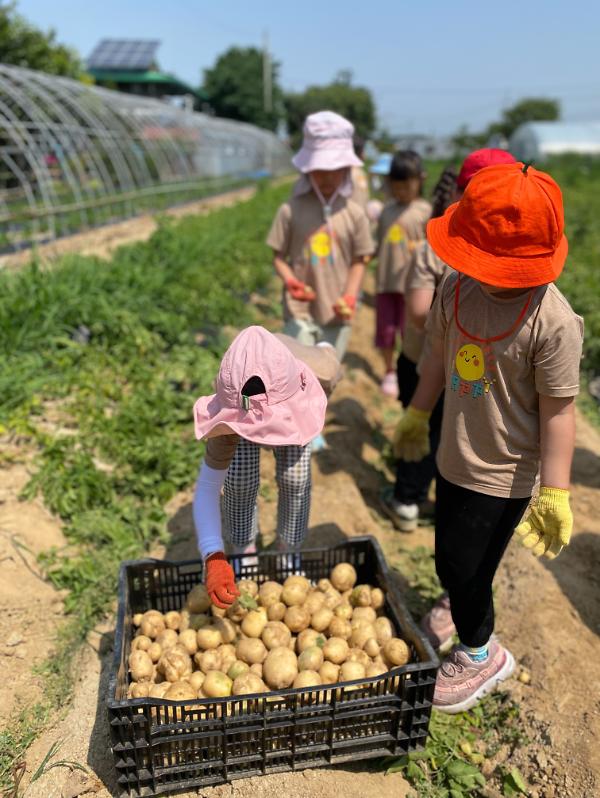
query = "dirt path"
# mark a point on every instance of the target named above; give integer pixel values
(549, 614)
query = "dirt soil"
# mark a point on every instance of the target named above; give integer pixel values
(547, 613)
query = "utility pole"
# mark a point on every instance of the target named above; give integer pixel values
(267, 75)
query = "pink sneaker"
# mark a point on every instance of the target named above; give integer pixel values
(438, 624)
(461, 682)
(389, 384)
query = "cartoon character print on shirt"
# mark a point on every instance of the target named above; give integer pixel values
(395, 234)
(474, 369)
(320, 247)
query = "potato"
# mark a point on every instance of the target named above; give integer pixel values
(377, 598)
(217, 612)
(257, 669)
(167, 639)
(308, 638)
(208, 660)
(297, 579)
(180, 691)
(208, 638)
(321, 619)
(358, 655)
(384, 630)
(396, 652)
(311, 659)
(375, 669)
(248, 684)
(329, 673)
(372, 647)
(196, 680)
(226, 629)
(361, 596)
(228, 656)
(343, 576)
(141, 666)
(276, 634)
(253, 624)
(191, 621)
(238, 668)
(307, 678)
(159, 690)
(336, 650)
(352, 670)
(294, 595)
(251, 650)
(339, 628)
(280, 668)
(248, 586)
(172, 620)
(198, 600)
(324, 585)
(188, 640)
(269, 593)
(137, 618)
(314, 601)
(139, 690)
(366, 613)
(152, 624)
(141, 643)
(174, 664)
(344, 611)
(237, 612)
(276, 612)
(155, 652)
(359, 636)
(297, 619)
(332, 599)
(217, 685)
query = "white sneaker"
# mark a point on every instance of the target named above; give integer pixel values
(405, 517)
(389, 384)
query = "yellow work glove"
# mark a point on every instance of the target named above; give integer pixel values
(411, 438)
(549, 523)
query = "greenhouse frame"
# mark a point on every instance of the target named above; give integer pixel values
(75, 156)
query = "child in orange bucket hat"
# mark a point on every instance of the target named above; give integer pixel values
(504, 346)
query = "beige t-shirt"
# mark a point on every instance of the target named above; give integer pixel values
(299, 233)
(360, 186)
(426, 270)
(490, 440)
(401, 228)
(322, 360)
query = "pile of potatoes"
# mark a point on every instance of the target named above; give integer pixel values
(273, 637)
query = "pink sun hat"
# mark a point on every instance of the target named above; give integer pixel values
(327, 143)
(290, 413)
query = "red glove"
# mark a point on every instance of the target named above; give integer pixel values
(345, 307)
(300, 290)
(220, 581)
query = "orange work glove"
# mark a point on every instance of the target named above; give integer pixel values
(220, 581)
(345, 306)
(300, 290)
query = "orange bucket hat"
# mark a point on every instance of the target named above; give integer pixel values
(507, 230)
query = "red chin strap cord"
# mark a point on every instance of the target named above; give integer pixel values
(493, 338)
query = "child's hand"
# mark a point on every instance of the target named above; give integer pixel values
(411, 437)
(345, 306)
(220, 581)
(549, 523)
(300, 290)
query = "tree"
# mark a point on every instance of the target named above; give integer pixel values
(234, 88)
(353, 102)
(24, 45)
(530, 109)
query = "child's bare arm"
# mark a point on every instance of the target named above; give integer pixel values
(557, 440)
(281, 267)
(418, 305)
(356, 275)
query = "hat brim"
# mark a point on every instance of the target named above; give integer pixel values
(293, 422)
(498, 270)
(327, 159)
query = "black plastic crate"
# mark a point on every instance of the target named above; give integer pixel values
(165, 746)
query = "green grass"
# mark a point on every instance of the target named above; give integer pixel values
(122, 443)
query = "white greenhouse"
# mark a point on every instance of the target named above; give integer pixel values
(535, 141)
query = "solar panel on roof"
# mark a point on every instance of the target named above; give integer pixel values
(123, 54)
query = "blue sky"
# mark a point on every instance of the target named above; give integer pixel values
(431, 65)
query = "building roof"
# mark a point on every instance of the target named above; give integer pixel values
(138, 54)
(574, 132)
(154, 77)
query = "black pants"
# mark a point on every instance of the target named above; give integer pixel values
(413, 479)
(472, 531)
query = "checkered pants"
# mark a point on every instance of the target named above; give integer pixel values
(293, 475)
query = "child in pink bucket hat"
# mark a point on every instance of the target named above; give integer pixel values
(270, 391)
(320, 237)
